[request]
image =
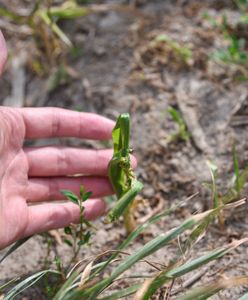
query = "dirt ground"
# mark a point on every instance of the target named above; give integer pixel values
(118, 69)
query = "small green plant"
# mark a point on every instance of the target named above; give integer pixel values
(234, 192)
(242, 5)
(60, 77)
(238, 180)
(235, 53)
(182, 133)
(79, 233)
(182, 51)
(216, 199)
(121, 175)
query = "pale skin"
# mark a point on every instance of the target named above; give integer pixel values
(31, 178)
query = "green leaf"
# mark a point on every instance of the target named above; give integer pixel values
(5, 285)
(54, 27)
(67, 230)
(122, 293)
(214, 174)
(68, 12)
(121, 133)
(66, 287)
(14, 247)
(70, 196)
(82, 191)
(141, 228)
(182, 131)
(68, 242)
(85, 239)
(236, 169)
(124, 202)
(86, 196)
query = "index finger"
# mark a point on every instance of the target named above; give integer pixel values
(58, 122)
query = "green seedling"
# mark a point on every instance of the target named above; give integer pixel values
(234, 192)
(61, 77)
(183, 51)
(235, 54)
(182, 132)
(239, 177)
(79, 234)
(120, 172)
(242, 5)
(216, 199)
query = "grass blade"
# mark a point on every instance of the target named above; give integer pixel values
(55, 28)
(20, 287)
(143, 252)
(165, 276)
(124, 201)
(202, 293)
(2, 287)
(123, 293)
(236, 169)
(14, 247)
(132, 236)
(66, 287)
(68, 12)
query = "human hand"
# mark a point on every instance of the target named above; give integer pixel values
(31, 178)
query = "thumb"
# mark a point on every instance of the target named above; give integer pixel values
(3, 52)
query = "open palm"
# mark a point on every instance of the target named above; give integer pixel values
(31, 178)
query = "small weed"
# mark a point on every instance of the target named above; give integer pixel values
(235, 54)
(217, 201)
(234, 192)
(78, 235)
(60, 77)
(182, 133)
(182, 51)
(242, 5)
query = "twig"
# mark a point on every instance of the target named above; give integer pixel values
(190, 117)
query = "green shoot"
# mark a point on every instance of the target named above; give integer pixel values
(214, 176)
(79, 234)
(235, 54)
(182, 132)
(184, 52)
(238, 184)
(217, 201)
(121, 175)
